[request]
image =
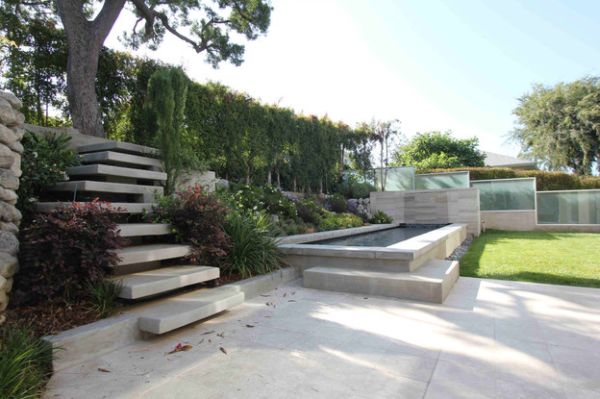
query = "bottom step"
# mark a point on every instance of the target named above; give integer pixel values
(432, 282)
(157, 281)
(185, 309)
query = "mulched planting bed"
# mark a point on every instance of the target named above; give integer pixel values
(52, 317)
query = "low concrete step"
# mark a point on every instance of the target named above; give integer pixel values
(181, 310)
(158, 281)
(106, 187)
(151, 253)
(118, 207)
(430, 283)
(144, 229)
(120, 146)
(119, 158)
(116, 171)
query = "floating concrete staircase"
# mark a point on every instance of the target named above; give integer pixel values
(129, 177)
(430, 283)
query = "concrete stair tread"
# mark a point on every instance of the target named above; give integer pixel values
(430, 283)
(150, 253)
(118, 171)
(118, 207)
(119, 146)
(119, 158)
(433, 271)
(181, 310)
(105, 187)
(144, 229)
(157, 281)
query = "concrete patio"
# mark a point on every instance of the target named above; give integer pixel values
(491, 339)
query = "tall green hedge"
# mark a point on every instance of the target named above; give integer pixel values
(546, 181)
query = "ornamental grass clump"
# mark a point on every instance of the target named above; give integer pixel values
(253, 248)
(25, 363)
(65, 250)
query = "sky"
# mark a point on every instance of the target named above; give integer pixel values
(435, 65)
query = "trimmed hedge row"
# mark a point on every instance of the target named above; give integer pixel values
(546, 181)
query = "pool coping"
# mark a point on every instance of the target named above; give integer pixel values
(404, 250)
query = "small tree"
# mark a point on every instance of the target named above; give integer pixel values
(385, 135)
(439, 150)
(560, 125)
(167, 93)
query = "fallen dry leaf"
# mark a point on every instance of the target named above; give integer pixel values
(222, 349)
(222, 335)
(103, 370)
(181, 348)
(208, 332)
(250, 326)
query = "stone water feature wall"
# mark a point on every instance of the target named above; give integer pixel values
(11, 133)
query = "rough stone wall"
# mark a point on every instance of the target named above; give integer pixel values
(11, 133)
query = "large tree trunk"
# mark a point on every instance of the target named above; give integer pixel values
(85, 39)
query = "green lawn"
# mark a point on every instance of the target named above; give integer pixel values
(541, 257)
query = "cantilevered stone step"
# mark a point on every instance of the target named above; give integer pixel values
(181, 310)
(106, 187)
(119, 158)
(157, 281)
(118, 207)
(144, 229)
(117, 171)
(151, 253)
(120, 146)
(430, 283)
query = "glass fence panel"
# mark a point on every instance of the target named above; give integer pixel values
(569, 207)
(436, 181)
(395, 179)
(506, 194)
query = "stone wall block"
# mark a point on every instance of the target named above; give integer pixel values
(11, 133)
(8, 179)
(8, 136)
(9, 265)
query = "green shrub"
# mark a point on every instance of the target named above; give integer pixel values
(43, 163)
(268, 199)
(380, 217)
(309, 211)
(337, 203)
(64, 250)
(334, 221)
(104, 296)
(253, 248)
(546, 181)
(198, 220)
(25, 363)
(355, 189)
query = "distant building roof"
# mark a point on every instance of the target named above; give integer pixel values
(506, 161)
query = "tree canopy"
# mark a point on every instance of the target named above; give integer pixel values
(439, 150)
(560, 125)
(80, 27)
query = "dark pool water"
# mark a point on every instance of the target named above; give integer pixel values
(382, 238)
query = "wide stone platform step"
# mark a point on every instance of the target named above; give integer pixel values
(151, 253)
(181, 310)
(120, 146)
(157, 281)
(430, 283)
(117, 207)
(106, 187)
(119, 158)
(143, 229)
(115, 171)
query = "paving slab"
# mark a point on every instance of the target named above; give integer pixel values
(295, 342)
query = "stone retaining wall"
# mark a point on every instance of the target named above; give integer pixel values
(11, 133)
